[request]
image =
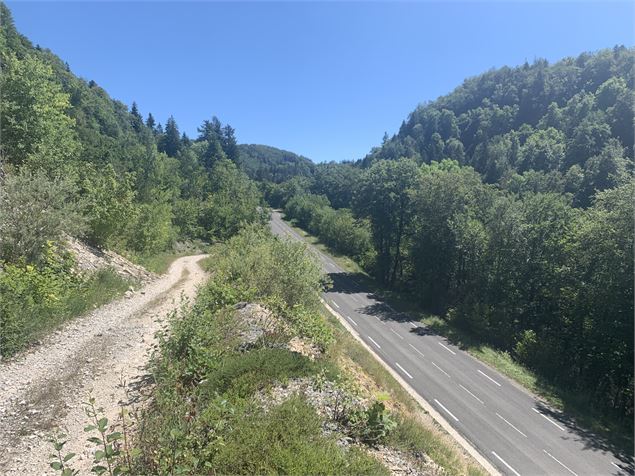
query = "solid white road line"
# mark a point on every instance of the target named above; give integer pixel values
(499, 416)
(618, 468)
(560, 463)
(396, 333)
(485, 375)
(448, 411)
(472, 394)
(350, 319)
(447, 348)
(373, 341)
(548, 419)
(335, 304)
(417, 350)
(505, 463)
(403, 370)
(441, 369)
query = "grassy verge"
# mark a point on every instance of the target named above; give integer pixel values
(577, 405)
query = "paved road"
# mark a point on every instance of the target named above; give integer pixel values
(512, 429)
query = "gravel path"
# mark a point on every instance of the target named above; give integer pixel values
(43, 390)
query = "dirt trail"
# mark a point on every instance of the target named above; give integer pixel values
(43, 389)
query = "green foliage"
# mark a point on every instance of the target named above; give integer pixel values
(336, 228)
(35, 299)
(233, 203)
(268, 164)
(372, 425)
(539, 117)
(287, 440)
(61, 462)
(109, 203)
(35, 209)
(36, 130)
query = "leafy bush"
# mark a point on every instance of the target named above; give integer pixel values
(35, 299)
(35, 209)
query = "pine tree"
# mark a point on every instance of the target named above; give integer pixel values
(151, 123)
(170, 143)
(136, 120)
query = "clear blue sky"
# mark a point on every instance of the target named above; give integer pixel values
(321, 79)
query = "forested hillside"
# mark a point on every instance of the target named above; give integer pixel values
(265, 163)
(74, 161)
(507, 208)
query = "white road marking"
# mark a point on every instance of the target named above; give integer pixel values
(403, 370)
(355, 298)
(373, 341)
(560, 463)
(618, 468)
(417, 350)
(499, 416)
(447, 348)
(441, 369)
(548, 419)
(485, 375)
(350, 319)
(376, 317)
(413, 324)
(395, 332)
(472, 394)
(448, 411)
(505, 463)
(335, 304)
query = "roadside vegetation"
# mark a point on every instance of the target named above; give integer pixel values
(215, 409)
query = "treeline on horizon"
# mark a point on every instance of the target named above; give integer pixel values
(506, 207)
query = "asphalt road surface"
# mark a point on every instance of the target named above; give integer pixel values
(511, 428)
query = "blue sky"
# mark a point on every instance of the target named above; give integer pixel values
(325, 80)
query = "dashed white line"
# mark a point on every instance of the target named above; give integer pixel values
(403, 370)
(355, 298)
(417, 350)
(447, 348)
(440, 369)
(413, 324)
(335, 304)
(350, 319)
(505, 463)
(487, 376)
(396, 333)
(376, 317)
(472, 394)
(560, 463)
(620, 469)
(373, 341)
(502, 418)
(448, 411)
(548, 419)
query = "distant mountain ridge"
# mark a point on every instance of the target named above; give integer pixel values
(266, 163)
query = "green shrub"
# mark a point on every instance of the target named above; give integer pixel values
(35, 299)
(241, 374)
(288, 440)
(35, 209)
